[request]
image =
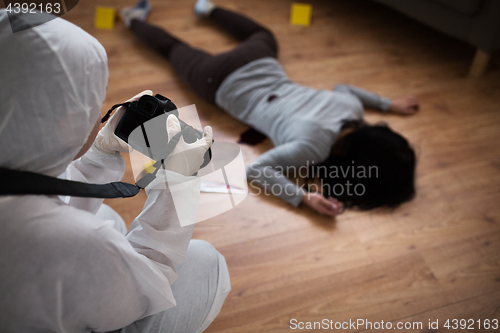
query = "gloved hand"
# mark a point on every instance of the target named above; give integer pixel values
(106, 140)
(186, 158)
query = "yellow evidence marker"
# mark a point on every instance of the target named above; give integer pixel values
(104, 18)
(301, 14)
(148, 167)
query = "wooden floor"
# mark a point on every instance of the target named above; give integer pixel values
(437, 257)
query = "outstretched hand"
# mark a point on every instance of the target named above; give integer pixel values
(322, 205)
(404, 106)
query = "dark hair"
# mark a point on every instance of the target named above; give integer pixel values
(377, 162)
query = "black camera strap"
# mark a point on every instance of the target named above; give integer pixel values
(14, 182)
(108, 114)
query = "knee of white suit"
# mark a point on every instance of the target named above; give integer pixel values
(209, 258)
(203, 252)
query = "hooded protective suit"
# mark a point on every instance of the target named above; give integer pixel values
(62, 268)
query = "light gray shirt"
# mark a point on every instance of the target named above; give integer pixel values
(303, 123)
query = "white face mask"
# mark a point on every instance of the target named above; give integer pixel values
(52, 86)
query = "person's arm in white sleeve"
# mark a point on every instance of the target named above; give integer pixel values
(172, 203)
(156, 232)
(93, 167)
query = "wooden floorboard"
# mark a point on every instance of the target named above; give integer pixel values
(434, 258)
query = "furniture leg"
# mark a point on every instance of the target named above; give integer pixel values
(480, 63)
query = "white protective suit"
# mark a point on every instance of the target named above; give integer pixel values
(62, 268)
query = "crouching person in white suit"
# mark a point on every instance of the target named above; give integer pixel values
(67, 264)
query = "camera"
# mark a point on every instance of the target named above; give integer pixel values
(148, 136)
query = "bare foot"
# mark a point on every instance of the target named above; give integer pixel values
(405, 105)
